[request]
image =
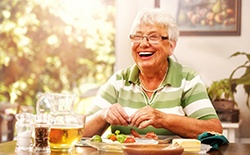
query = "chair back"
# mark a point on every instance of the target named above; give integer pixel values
(8, 120)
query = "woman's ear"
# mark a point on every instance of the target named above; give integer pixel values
(172, 45)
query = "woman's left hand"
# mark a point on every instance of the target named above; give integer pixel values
(147, 116)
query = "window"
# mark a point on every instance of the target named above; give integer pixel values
(54, 46)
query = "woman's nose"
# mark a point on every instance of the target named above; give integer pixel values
(144, 42)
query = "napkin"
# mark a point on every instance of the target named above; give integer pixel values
(213, 139)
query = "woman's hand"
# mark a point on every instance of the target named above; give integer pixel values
(145, 117)
(116, 115)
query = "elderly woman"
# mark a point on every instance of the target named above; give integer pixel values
(156, 94)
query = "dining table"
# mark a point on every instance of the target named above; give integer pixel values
(8, 148)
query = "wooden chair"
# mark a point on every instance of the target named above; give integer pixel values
(8, 120)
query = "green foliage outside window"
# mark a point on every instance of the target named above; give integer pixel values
(54, 46)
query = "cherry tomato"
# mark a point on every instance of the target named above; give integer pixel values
(129, 140)
(112, 137)
(151, 135)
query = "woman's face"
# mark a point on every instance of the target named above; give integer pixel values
(147, 55)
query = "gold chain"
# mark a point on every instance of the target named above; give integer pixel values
(151, 91)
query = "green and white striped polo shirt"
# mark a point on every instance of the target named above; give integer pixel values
(182, 93)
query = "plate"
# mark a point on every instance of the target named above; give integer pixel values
(109, 146)
(149, 149)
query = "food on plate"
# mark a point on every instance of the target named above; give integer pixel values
(129, 140)
(135, 133)
(121, 138)
(112, 137)
(114, 141)
(151, 135)
(189, 145)
(117, 136)
(96, 138)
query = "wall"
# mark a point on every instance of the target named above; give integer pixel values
(209, 55)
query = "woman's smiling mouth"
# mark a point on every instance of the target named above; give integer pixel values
(145, 54)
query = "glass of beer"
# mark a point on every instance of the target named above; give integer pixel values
(66, 126)
(63, 138)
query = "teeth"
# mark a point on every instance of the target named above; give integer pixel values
(145, 53)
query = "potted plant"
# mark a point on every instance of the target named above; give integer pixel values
(243, 79)
(221, 94)
(223, 101)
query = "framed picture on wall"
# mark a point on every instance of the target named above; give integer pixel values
(207, 17)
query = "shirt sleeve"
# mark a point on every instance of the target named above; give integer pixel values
(195, 101)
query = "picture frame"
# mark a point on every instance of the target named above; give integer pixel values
(207, 17)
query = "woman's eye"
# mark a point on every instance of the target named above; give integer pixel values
(153, 37)
(138, 37)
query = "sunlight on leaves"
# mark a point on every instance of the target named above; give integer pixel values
(54, 46)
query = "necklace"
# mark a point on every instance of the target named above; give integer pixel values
(151, 91)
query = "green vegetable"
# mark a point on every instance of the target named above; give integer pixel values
(120, 138)
(109, 135)
(96, 138)
(117, 132)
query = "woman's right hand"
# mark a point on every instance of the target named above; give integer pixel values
(116, 115)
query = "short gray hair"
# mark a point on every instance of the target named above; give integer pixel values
(158, 17)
